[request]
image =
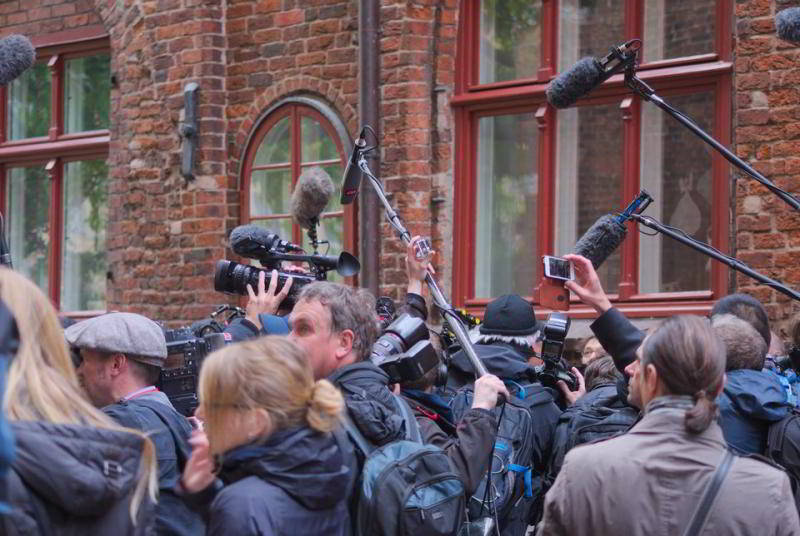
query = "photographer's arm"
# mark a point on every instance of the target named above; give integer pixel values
(618, 336)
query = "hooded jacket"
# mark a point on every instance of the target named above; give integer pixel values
(74, 480)
(749, 403)
(295, 483)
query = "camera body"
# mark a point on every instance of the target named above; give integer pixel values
(185, 354)
(404, 351)
(555, 334)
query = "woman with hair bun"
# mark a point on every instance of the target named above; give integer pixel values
(268, 437)
(653, 479)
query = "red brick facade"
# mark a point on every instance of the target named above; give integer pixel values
(165, 234)
(767, 135)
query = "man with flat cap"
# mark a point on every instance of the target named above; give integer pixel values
(121, 358)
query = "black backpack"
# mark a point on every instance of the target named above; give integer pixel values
(514, 487)
(582, 424)
(783, 448)
(406, 488)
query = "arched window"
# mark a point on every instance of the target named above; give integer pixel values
(294, 135)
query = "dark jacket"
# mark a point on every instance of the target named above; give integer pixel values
(750, 402)
(74, 480)
(509, 364)
(295, 483)
(169, 431)
(620, 338)
(468, 444)
(370, 404)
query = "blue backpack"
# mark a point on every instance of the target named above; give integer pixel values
(406, 488)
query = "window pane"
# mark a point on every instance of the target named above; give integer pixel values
(87, 93)
(275, 147)
(589, 177)
(29, 104)
(317, 145)
(588, 28)
(269, 192)
(509, 39)
(27, 213)
(84, 263)
(507, 189)
(676, 170)
(677, 29)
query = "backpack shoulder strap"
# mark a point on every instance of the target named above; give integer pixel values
(355, 434)
(700, 515)
(412, 427)
(775, 436)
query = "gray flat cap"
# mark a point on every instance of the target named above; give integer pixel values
(124, 333)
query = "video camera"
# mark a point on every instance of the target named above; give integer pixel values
(187, 347)
(404, 351)
(554, 368)
(269, 250)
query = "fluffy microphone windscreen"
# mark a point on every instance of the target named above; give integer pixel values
(574, 83)
(787, 22)
(16, 56)
(600, 241)
(253, 233)
(311, 195)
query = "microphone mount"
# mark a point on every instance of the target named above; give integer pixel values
(640, 87)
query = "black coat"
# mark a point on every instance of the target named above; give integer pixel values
(295, 484)
(371, 405)
(620, 338)
(74, 481)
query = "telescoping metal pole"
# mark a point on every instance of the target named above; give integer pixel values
(457, 326)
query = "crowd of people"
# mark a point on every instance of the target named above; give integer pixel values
(689, 428)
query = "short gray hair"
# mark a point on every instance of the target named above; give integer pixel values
(745, 348)
(350, 308)
(522, 341)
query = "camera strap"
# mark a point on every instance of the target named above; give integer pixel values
(700, 515)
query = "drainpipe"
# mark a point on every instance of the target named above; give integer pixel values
(369, 114)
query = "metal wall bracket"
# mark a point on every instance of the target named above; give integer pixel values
(188, 130)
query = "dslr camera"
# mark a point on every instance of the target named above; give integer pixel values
(269, 250)
(554, 368)
(404, 351)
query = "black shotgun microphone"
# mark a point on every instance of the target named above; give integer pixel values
(787, 22)
(589, 73)
(352, 174)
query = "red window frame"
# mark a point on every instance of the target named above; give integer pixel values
(295, 111)
(706, 72)
(56, 149)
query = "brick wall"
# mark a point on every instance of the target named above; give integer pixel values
(767, 135)
(164, 234)
(418, 48)
(35, 17)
